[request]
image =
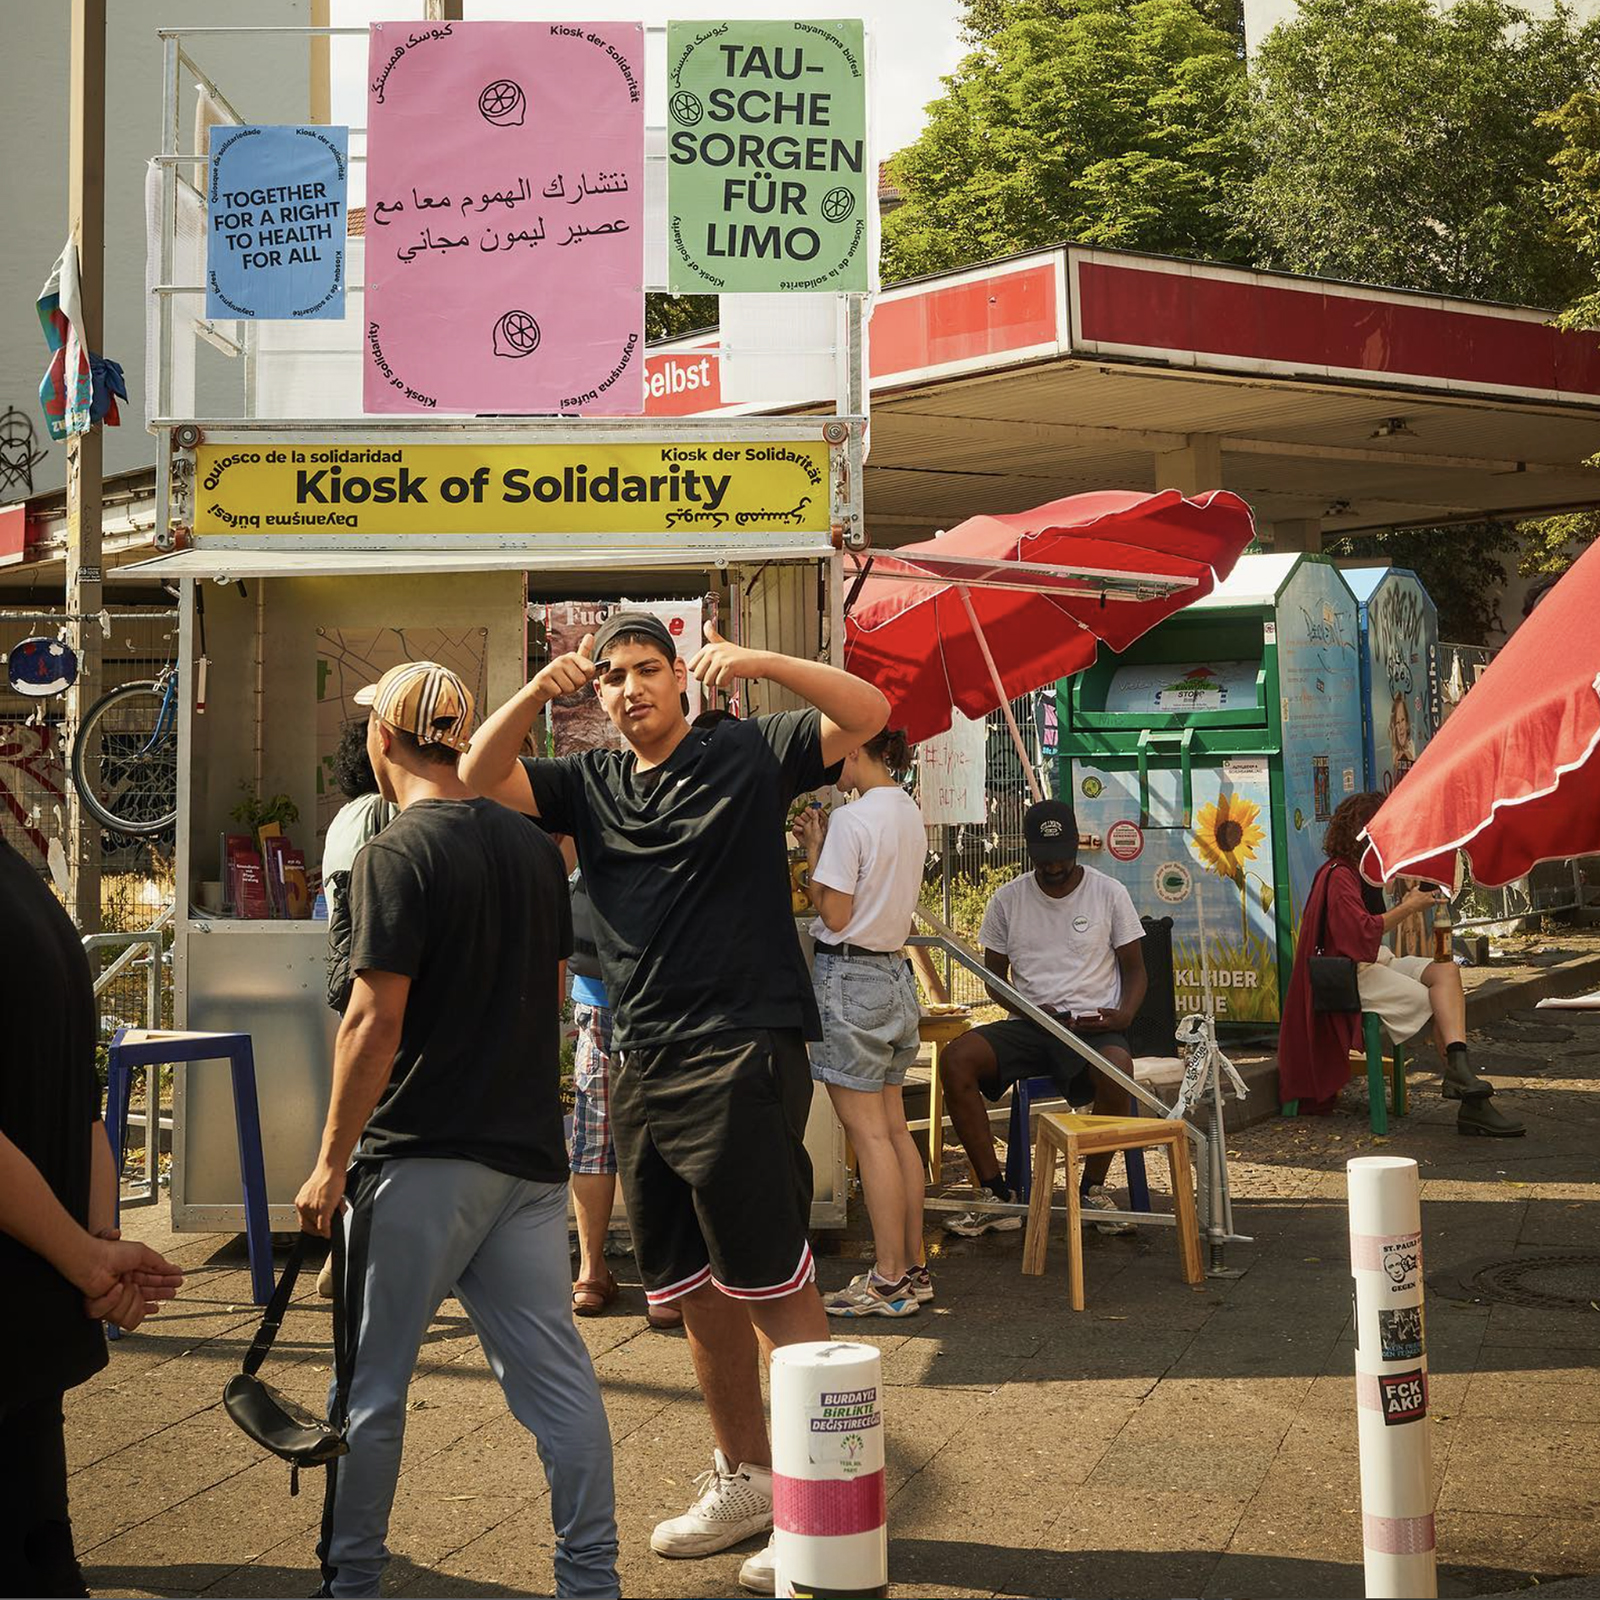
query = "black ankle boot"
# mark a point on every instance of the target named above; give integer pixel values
(1484, 1118)
(1460, 1081)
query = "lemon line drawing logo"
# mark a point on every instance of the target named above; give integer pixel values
(686, 107)
(1225, 839)
(503, 103)
(516, 334)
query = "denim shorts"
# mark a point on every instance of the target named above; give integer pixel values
(870, 1010)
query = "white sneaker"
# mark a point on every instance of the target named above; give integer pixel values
(759, 1573)
(1098, 1200)
(971, 1223)
(733, 1504)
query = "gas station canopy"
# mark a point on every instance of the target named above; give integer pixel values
(1331, 408)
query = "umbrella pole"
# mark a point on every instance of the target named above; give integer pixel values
(1000, 689)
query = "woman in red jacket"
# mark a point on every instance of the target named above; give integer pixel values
(1406, 992)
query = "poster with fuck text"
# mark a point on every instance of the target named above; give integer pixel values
(505, 218)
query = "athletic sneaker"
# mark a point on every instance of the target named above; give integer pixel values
(921, 1284)
(872, 1296)
(1096, 1199)
(759, 1573)
(971, 1223)
(733, 1504)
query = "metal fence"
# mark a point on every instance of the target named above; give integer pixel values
(967, 862)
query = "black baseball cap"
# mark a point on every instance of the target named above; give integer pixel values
(620, 622)
(1051, 830)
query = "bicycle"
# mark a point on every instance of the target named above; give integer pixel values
(131, 784)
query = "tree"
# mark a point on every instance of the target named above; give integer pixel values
(670, 316)
(1111, 122)
(1460, 567)
(1573, 196)
(1397, 143)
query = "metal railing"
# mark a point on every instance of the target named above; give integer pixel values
(152, 940)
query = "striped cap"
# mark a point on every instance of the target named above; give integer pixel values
(424, 699)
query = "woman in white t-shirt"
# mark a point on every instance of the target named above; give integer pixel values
(865, 874)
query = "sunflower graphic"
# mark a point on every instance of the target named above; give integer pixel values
(1227, 836)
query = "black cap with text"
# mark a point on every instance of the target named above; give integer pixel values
(1051, 830)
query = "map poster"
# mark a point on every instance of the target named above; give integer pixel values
(767, 167)
(505, 218)
(275, 223)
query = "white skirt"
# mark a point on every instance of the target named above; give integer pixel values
(1392, 987)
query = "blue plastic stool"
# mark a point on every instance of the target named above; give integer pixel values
(136, 1047)
(1019, 1148)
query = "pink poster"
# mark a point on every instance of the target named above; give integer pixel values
(505, 218)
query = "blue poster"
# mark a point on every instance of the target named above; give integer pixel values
(275, 245)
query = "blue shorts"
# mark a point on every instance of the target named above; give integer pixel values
(870, 1011)
(592, 1148)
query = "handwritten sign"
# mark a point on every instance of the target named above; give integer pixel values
(505, 223)
(767, 166)
(275, 235)
(952, 770)
(323, 493)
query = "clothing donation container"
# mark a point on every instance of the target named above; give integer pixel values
(1399, 656)
(1205, 761)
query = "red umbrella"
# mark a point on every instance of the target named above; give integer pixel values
(1512, 778)
(1000, 606)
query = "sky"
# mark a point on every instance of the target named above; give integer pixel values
(915, 43)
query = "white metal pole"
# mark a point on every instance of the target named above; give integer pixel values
(830, 1533)
(1000, 690)
(1391, 1379)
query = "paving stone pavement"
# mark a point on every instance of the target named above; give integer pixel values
(1166, 1441)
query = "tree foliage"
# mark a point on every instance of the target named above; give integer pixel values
(1461, 567)
(1101, 121)
(1573, 196)
(1401, 144)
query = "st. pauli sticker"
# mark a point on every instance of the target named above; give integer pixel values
(767, 168)
(275, 223)
(505, 218)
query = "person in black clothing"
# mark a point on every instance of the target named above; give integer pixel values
(64, 1267)
(447, 1071)
(681, 838)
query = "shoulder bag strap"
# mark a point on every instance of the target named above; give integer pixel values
(272, 1317)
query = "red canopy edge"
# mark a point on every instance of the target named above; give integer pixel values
(1436, 862)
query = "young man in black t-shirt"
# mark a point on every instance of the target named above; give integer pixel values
(681, 837)
(447, 1070)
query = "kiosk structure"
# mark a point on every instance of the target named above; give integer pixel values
(281, 622)
(1206, 760)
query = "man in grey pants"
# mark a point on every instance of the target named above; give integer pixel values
(447, 1071)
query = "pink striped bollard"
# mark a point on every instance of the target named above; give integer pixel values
(1391, 1379)
(828, 1511)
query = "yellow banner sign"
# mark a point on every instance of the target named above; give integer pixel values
(341, 490)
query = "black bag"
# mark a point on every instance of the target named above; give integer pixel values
(1333, 983)
(271, 1418)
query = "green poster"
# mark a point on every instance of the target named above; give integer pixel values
(767, 157)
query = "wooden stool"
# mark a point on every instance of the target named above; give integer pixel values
(938, 1030)
(1079, 1136)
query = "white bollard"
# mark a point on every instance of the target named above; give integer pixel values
(1391, 1379)
(828, 1519)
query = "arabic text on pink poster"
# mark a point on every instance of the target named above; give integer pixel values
(505, 218)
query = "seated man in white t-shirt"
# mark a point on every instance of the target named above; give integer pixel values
(1068, 940)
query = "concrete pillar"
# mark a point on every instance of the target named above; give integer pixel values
(1193, 470)
(1296, 534)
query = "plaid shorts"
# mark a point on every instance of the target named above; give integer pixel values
(592, 1147)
